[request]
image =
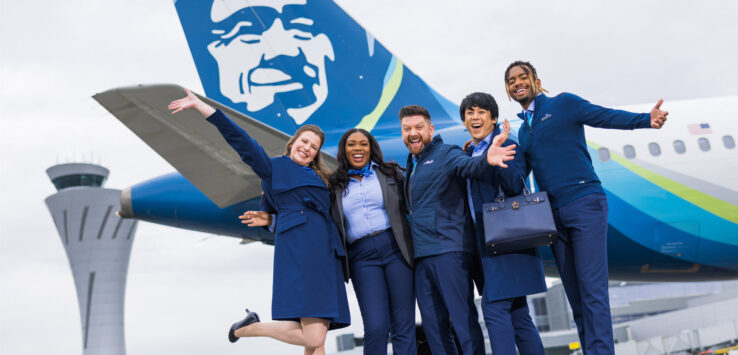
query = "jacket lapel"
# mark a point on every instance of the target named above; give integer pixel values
(383, 185)
(339, 205)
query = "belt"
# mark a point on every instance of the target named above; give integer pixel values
(368, 236)
(334, 239)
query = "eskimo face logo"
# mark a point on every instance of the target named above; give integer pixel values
(268, 50)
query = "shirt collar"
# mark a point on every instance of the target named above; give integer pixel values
(436, 140)
(486, 140)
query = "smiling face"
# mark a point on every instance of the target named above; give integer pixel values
(305, 148)
(417, 132)
(358, 150)
(267, 49)
(519, 86)
(479, 122)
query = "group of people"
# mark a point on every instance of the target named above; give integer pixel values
(417, 234)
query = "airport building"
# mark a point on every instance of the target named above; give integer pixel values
(98, 245)
(648, 319)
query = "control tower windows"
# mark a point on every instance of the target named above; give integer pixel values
(65, 181)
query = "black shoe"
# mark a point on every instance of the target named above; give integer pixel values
(251, 318)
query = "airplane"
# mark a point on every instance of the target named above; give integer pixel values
(672, 194)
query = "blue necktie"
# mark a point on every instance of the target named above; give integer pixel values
(363, 171)
(529, 117)
(415, 163)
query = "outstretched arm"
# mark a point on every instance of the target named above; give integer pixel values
(497, 154)
(603, 117)
(478, 167)
(247, 148)
(191, 101)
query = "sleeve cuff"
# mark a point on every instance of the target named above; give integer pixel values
(273, 224)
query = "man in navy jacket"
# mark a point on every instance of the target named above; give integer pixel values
(509, 277)
(444, 246)
(552, 140)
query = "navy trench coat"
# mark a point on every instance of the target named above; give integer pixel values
(308, 252)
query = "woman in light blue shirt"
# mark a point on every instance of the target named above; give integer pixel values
(369, 211)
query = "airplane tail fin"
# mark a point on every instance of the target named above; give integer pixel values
(289, 65)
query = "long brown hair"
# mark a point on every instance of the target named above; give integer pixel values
(317, 163)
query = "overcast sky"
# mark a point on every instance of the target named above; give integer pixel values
(185, 288)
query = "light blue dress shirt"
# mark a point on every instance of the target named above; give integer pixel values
(478, 150)
(364, 212)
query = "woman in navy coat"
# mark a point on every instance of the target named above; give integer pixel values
(308, 293)
(369, 210)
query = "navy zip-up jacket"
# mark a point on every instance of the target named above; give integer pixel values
(437, 203)
(556, 150)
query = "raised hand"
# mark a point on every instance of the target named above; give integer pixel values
(466, 145)
(497, 155)
(658, 116)
(191, 101)
(256, 218)
(504, 134)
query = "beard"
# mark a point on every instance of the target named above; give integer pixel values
(418, 148)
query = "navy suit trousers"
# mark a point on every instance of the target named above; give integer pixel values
(446, 293)
(509, 324)
(581, 257)
(383, 283)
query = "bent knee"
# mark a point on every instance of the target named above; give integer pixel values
(314, 342)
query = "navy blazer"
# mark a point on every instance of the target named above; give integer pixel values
(513, 274)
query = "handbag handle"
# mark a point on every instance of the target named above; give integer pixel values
(501, 194)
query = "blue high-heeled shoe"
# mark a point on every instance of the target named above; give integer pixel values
(251, 318)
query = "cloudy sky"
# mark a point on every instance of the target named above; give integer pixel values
(184, 288)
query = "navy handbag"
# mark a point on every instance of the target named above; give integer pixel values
(519, 222)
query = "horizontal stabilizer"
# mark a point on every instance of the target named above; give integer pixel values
(192, 145)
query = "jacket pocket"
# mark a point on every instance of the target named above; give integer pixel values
(290, 221)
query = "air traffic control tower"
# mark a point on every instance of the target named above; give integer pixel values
(98, 245)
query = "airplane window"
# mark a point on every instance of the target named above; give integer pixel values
(654, 149)
(679, 146)
(704, 144)
(728, 142)
(629, 151)
(603, 154)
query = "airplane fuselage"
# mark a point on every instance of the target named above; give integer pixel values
(672, 215)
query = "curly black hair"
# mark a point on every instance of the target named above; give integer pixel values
(338, 181)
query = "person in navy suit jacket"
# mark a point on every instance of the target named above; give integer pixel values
(445, 248)
(510, 277)
(308, 294)
(552, 140)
